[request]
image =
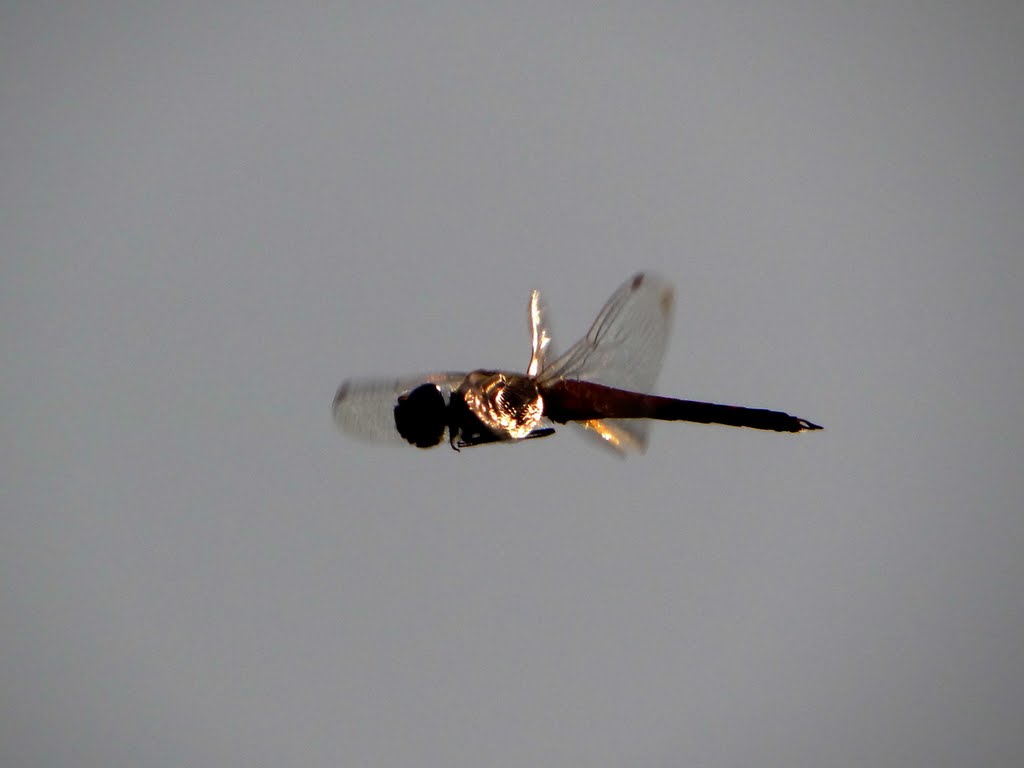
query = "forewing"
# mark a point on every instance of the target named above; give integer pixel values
(624, 349)
(365, 408)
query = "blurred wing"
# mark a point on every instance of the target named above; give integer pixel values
(365, 408)
(624, 349)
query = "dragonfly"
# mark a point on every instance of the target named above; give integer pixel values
(601, 383)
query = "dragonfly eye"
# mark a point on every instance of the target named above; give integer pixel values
(420, 416)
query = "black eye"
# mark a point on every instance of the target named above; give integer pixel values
(420, 416)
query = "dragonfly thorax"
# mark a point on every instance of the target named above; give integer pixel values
(507, 404)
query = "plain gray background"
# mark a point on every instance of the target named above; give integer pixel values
(212, 213)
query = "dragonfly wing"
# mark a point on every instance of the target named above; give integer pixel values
(365, 408)
(540, 337)
(624, 348)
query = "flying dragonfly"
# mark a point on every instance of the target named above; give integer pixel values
(601, 383)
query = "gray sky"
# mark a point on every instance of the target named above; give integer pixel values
(210, 214)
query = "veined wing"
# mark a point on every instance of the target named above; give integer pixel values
(365, 408)
(623, 349)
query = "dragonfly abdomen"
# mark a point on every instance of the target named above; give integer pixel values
(568, 400)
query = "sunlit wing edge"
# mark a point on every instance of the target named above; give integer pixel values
(621, 436)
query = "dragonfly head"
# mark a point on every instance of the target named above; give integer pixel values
(421, 416)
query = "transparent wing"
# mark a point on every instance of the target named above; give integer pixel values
(624, 349)
(365, 408)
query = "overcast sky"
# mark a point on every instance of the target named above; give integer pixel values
(212, 213)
